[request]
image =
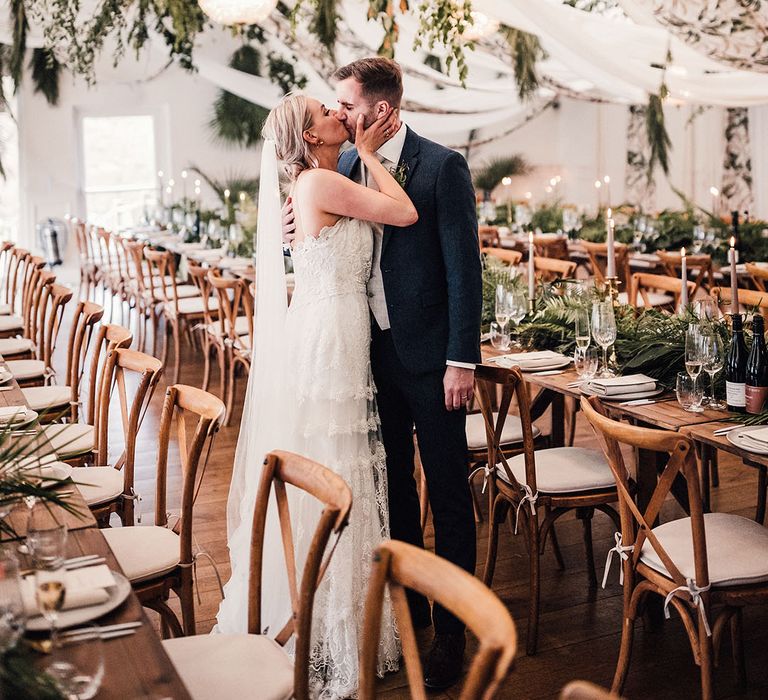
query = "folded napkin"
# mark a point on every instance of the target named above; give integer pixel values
(759, 435)
(84, 587)
(529, 360)
(8, 413)
(630, 384)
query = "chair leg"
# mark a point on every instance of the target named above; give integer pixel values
(556, 545)
(737, 649)
(221, 357)
(164, 356)
(497, 516)
(207, 366)
(473, 494)
(177, 350)
(706, 654)
(762, 493)
(714, 470)
(532, 640)
(230, 399)
(625, 650)
(187, 599)
(585, 515)
(155, 318)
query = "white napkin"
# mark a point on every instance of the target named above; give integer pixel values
(759, 435)
(84, 587)
(629, 384)
(529, 360)
(16, 413)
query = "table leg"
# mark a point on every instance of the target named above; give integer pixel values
(558, 420)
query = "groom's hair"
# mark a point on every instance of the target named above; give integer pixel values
(380, 78)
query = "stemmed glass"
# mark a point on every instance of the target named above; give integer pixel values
(694, 356)
(504, 309)
(713, 351)
(581, 327)
(519, 307)
(604, 331)
(11, 604)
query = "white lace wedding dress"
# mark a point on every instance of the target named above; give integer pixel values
(332, 419)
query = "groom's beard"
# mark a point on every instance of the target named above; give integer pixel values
(351, 124)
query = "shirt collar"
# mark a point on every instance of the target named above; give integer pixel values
(393, 149)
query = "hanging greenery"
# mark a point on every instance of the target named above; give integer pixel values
(235, 120)
(444, 23)
(658, 139)
(283, 73)
(491, 174)
(525, 51)
(46, 72)
(324, 22)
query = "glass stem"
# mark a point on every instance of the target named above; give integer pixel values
(605, 358)
(54, 634)
(712, 384)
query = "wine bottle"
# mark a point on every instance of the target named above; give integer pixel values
(736, 368)
(757, 368)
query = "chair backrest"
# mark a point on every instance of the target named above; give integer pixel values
(180, 402)
(488, 235)
(145, 372)
(748, 298)
(555, 247)
(120, 256)
(234, 296)
(32, 295)
(14, 275)
(6, 255)
(162, 277)
(699, 264)
(758, 274)
(87, 315)
(511, 257)
(199, 276)
(83, 245)
(398, 566)
(495, 389)
(52, 305)
(109, 338)
(643, 282)
(550, 269)
(137, 265)
(282, 469)
(598, 257)
(637, 526)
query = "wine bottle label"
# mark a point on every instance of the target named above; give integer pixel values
(735, 394)
(755, 398)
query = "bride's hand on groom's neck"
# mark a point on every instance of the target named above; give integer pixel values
(368, 141)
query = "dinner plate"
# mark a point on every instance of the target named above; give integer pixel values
(17, 421)
(69, 618)
(624, 397)
(736, 437)
(559, 364)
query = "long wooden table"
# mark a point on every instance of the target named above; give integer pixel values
(135, 666)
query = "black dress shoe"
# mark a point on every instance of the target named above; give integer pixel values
(445, 661)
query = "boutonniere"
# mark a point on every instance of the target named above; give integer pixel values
(400, 173)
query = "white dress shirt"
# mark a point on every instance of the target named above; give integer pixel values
(389, 154)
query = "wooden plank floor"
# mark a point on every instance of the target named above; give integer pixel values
(579, 628)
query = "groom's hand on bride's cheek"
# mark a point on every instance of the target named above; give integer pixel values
(289, 222)
(459, 385)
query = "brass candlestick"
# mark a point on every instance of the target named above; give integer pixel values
(611, 286)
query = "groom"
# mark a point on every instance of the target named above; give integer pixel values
(425, 296)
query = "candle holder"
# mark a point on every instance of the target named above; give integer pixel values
(531, 306)
(611, 286)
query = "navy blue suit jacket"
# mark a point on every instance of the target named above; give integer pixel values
(431, 270)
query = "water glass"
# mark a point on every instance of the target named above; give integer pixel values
(518, 309)
(604, 331)
(503, 310)
(586, 362)
(499, 340)
(81, 673)
(689, 392)
(11, 605)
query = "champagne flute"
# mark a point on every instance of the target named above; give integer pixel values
(503, 312)
(604, 331)
(714, 361)
(581, 325)
(694, 357)
(519, 307)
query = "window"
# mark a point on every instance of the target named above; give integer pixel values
(120, 182)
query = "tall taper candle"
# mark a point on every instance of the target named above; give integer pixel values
(531, 271)
(734, 278)
(610, 267)
(684, 279)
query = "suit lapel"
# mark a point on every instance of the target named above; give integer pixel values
(348, 163)
(409, 156)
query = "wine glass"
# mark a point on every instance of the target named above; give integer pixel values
(519, 307)
(706, 309)
(713, 351)
(689, 393)
(496, 336)
(11, 604)
(80, 675)
(604, 331)
(504, 307)
(581, 327)
(694, 346)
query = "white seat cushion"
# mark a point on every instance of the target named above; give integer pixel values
(39, 398)
(195, 305)
(512, 432)
(564, 469)
(183, 291)
(5, 309)
(15, 346)
(737, 549)
(241, 326)
(71, 439)
(26, 369)
(218, 666)
(11, 323)
(98, 484)
(144, 551)
(655, 299)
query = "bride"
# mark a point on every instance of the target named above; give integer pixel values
(310, 389)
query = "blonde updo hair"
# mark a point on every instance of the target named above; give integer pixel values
(286, 125)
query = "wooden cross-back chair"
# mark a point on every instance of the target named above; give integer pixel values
(551, 269)
(6, 255)
(647, 290)
(56, 400)
(145, 303)
(181, 306)
(35, 280)
(109, 487)
(44, 331)
(699, 265)
(14, 276)
(510, 257)
(759, 275)
(235, 316)
(77, 442)
(488, 236)
(748, 299)
(398, 566)
(598, 259)
(553, 247)
(158, 559)
(552, 481)
(20, 284)
(233, 665)
(706, 566)
(86, 261)
(210, 336)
